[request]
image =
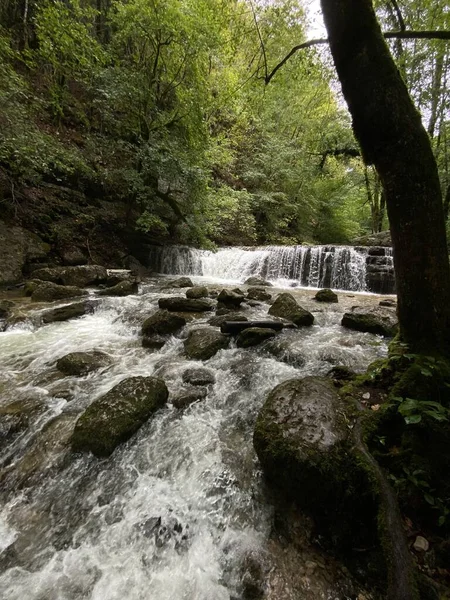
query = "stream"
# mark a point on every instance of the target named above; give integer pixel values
(176, 512)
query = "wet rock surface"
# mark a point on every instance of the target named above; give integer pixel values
(258, 293)
(326, 295)
(204, 343)
(253, 336)
(189, 396)
(378, 320)
(286, 307)
(182, 282)
(48, 291)
(180, 304)
(82, 363)
(70, 311)
(116, 416)
(197, 292)
(123, 288)
(230, 299)
(162, 322)
(257, 281)
(198, 376)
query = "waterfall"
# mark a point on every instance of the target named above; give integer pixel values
(338, 267)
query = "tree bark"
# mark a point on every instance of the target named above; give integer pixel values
(393, 139)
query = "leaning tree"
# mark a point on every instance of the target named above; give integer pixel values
(392, 138)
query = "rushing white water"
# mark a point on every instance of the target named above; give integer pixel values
(173, 513)
(338, 267)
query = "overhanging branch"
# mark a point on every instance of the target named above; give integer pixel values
(405, 35)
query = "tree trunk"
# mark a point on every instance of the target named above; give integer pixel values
(393, 139)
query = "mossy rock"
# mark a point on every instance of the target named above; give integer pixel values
(70, 311)
(6, 307)
(116, 416)
(304, 445)
(230, 298)
(182, 282)
(286, 307)
(254, 336)
(378, 320)
(218, 320)
(162, 322)
(84, 275)
(203, 344)
(197, 292)
(257, 281)
(180, 304)
(258, 293)
(188, 397)
(198, 376)
(82, 363)
(48, 292)
(123, 288)
(326, 295)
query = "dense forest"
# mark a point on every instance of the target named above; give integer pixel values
(157, 115)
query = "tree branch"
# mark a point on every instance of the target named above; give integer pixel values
(398, 13)
(263, 48)
(406, 35)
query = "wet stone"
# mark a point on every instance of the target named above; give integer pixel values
(230, 299)
(204, 343)
(64, 313)
(199, 376)
(286, 307)
(257, 281)
(162, 322)
(82, 363)
(180, 304)
(326, 295)
(218, 320)
(197, 292)
(188, 397)
(47, 292)
(123, 288)
(182, 282)
(154, 342)
(254, 336)
(258, 293)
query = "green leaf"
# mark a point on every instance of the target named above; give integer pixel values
(413, 419)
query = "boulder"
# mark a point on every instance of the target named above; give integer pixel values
(197, 292)
(254, 336)
(257, 281)
(5, 308)
(383, 238)
(190, 396)
(113, 418)
(198, 376)
(154, 342)
(18, 248)
(287, 349)
(326, 295)
(258, 293)
(53, 274)
(286, 307)
(70, 311)
(180, 304)
(162, 322)
(203, 343)
(341, 374)
(218, 320)
(116, 276)
(124, 288)
(47, 292)
(84, 275)
(182, 282)
(82, 363)
(230, 299)
(389, 303)
(305, 448)
(378, 320)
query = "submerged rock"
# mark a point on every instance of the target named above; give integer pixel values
(197, 292)
(124, 288)
(113, 418)
(154, 342)
(287, 350)
(82, 363)
(180, 304)
(162, 322)
(202, 344)
(198, 376)
(48, 291)
(230, 299)
(286, 307)
(70, 311)
(5, 308)
(258, 293)
(190, 396)
(258, 281)
(378, 320)
(326, 295)
(254, 336)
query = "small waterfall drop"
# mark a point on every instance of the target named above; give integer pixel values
(338, 267)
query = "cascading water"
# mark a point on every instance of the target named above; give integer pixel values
(338, 267)
(174, 512)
